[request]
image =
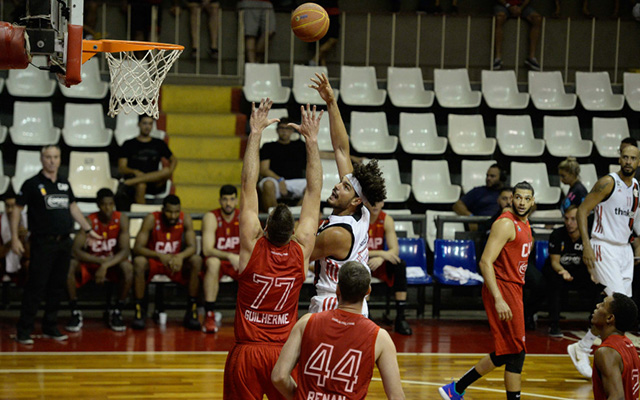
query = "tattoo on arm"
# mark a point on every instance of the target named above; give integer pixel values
(600, 187)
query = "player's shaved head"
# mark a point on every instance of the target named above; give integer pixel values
(629, 158)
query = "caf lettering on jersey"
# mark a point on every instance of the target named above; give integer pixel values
(375, 243)
(225, 243)
(526, 250)
(103, 246)
(322, 396)
(266, 319)
(167, 247)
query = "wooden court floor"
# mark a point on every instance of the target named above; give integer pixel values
(173, 363)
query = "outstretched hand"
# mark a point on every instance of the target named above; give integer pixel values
(322, 85)
(260, 116)
(310, 125)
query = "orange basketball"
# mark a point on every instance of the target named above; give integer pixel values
(309, 22)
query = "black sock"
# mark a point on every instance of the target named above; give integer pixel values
(209, 306)
(119, 305)
(400, 306)
(73, 305)
(513, 395)
(471, 376)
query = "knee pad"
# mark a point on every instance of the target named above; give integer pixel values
(512, 362)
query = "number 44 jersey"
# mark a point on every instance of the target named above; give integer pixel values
(337, 356)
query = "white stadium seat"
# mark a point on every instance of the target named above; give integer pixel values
(515, 136)
(369, 133)
(453, 89)
(33, 124)
(538, 176)
(31, 82)
(547, 91)
(474, 173)
(90, 172)
(467, 136)
(262, 81)
(359, 87)
(500, 90)
(92, 86)
(397, 192)
(449, 228)
(563, 138)
(632, 90)
(431, 182)
(595, 94)
(607, 135)
(406, 88)
(27, 165)
(419, 135)
(84, 126)
(303, 94)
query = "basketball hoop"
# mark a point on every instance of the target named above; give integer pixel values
(136, 70)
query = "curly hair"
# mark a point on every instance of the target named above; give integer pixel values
(370, 177)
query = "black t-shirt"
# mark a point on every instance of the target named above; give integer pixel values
(48, 205)
(482, 200)
(287, 160)
(145, 156)
(575, 196)
(570, 252)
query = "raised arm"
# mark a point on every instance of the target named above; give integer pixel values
(250, 227)
(502, 231)
(281, 374)
(601, 190)
(339, 136)
(308, 223)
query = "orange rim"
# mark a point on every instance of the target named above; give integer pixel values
(92, 47)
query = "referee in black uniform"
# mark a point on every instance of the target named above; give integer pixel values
(52, 209)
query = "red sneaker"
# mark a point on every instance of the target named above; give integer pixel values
(209, 325)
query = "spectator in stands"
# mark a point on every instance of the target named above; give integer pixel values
(564, 269)
(12, 264)
(505, 9)
(569, 172)
(386, 264)
(282, 166)
(483, 200)
(101, 260)
(504, 200)
(220, 247)
(166, 245)
(330, 40)
(259, 20)
(139, 161)
(211, 8)
(51, 211)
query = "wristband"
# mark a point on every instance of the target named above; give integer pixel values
(281, 179)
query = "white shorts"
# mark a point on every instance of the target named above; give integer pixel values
(328, 301)
(613, 266)
(295, 187)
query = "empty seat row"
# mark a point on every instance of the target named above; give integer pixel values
(359, 87)
(33, 82)
(84, 126)
(369, 134)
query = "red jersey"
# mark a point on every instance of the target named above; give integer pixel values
(512, 262)
(227, 233)
(166, 239)
(268, 292)
(109, 233)
(376, 232)
(630, 368)
(337, 356)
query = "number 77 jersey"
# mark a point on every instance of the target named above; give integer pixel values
(268, 293)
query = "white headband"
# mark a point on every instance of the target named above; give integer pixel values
(356, 187)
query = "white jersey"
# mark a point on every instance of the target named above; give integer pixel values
(358, 226)
(614, 217)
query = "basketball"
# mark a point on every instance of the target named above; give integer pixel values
(309, 22)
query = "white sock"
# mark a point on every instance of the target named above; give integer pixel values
(587, 341)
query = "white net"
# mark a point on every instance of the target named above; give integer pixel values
(136, 77)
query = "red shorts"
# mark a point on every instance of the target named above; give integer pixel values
(88, 273)
(508, 336)
(383, 274)
(247, 372)
(158, 268)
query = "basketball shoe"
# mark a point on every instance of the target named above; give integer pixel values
(191, 318)
(75, 323)
(138, 319)
(210, 325)
(580, 358)
(448, 392)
